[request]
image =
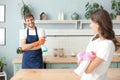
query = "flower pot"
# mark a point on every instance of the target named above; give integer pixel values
(118, 17)
(1, 70)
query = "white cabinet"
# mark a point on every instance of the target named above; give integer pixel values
(3, 75)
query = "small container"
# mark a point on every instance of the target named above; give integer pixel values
(43, 16)
(73, 54)
(44, 48)
(55, 52)
(75, 16)
(59, 16)
(61, 52)
(62, 16)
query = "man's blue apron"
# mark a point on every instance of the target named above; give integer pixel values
(32, 58)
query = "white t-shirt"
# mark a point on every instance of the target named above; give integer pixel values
(104, 49)
(23, 33)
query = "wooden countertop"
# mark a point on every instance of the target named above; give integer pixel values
(57, 74)
(66, 59)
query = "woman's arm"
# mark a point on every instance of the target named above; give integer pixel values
(93, 64)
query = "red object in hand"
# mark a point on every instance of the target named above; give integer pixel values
(40, 42)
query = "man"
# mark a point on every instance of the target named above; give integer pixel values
(31, 40)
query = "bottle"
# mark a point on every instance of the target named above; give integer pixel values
(44, 48)
(59, 16)
(62, 16)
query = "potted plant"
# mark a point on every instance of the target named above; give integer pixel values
(115, 6)
(2, 63)
(19, 51)
(90, 7)
(25, 9)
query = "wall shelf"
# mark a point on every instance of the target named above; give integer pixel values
(57, 22)
(76, 22)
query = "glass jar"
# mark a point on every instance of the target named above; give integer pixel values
(61, 52)
(55, 52)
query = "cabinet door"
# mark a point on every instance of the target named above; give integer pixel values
(118, 64)
(3, 76)
(113, 65)
(62, 66)
(16, 67)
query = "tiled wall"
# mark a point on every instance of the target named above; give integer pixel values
(71, 41)
(69, 44)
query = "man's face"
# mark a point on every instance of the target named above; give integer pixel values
(30, 22)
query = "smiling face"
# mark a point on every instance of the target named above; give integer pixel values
(94, 26)
(29, 20)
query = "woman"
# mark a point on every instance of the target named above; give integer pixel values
(31, 40)
(103, 44)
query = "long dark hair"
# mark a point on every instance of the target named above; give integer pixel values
(102, 17)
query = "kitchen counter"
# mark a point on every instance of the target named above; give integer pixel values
(66, 59)
(57, 74)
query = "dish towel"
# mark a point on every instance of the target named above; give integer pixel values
(84, 59)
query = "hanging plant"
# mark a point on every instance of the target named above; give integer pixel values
(25, 9)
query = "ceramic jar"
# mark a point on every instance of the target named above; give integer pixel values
(75, 16)
(43, 16)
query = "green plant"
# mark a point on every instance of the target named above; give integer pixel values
(90, 7)
(115, 6)
(25, 9)
(19, 50)
(2, 63)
